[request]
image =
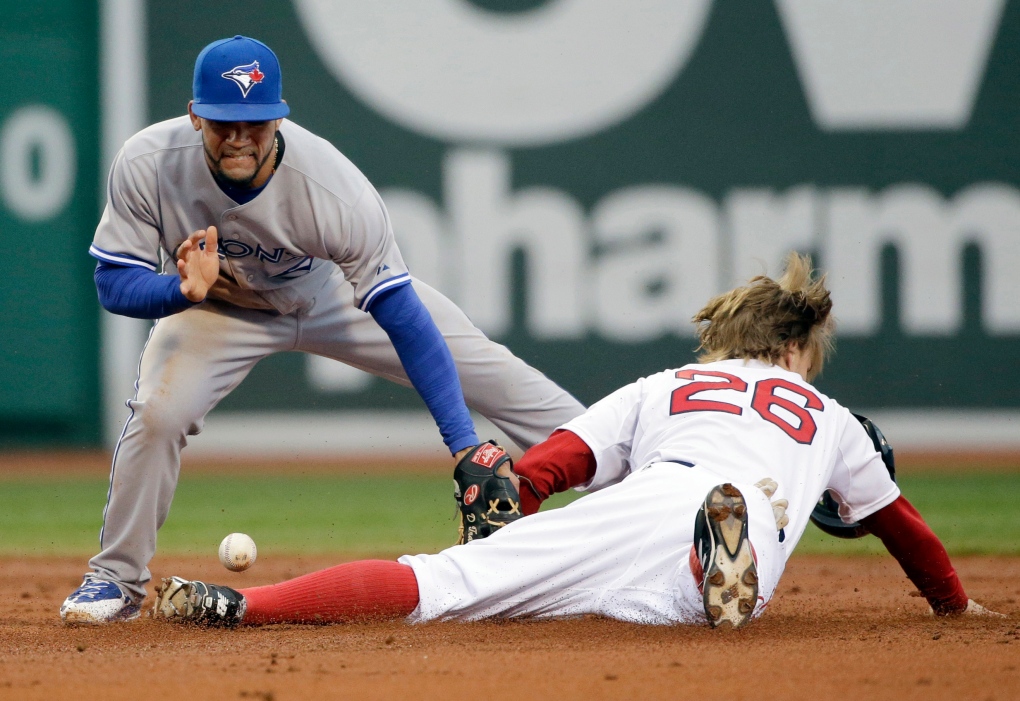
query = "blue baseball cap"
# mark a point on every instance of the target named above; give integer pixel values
(238, 80)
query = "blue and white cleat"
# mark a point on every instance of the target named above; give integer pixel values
(97, 601)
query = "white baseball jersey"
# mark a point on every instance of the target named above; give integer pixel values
(661, 444)
(275, 251)
(744, 421)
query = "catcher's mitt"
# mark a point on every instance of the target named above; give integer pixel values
(486, 501)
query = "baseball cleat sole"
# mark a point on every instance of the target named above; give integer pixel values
(731, 576)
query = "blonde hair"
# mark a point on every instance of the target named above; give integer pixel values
(761, 319)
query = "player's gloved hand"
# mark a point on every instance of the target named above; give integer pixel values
(976, 609)
(973, 609)
(768, 486)
(779, 507)
(487, 501)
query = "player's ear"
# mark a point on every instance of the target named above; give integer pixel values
(196, 121)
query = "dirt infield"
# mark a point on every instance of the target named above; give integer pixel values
(839, 628)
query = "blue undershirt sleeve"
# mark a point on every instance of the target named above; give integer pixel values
(138, 292)
(427, 361)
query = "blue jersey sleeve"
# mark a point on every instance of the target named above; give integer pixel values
(139, 292)
(427, 361)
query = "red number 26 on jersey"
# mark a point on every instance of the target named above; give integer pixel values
(765, 397)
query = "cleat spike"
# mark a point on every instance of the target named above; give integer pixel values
(730, 491)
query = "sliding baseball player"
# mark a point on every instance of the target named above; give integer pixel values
(703, 478)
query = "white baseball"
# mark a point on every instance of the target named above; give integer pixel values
(238, 552)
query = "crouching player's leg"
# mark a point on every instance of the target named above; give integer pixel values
(366, 590)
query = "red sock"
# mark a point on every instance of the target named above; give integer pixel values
(354, 591)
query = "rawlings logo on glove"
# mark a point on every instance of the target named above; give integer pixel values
(486, 454)
(489, 501)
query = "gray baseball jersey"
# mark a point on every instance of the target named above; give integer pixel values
(299, 264)
(318, 207)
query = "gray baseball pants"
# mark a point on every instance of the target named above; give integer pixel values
(195, 358)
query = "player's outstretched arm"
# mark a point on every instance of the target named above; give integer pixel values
(428, 363)
(923, 558)
(555, 465)
(199, 267)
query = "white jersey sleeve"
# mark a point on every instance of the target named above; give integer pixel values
(370, 259)
(128, 233)
(608, 428)
(860, 481)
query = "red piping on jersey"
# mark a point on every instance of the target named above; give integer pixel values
(555, 465)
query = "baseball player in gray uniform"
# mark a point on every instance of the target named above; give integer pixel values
(268, 240)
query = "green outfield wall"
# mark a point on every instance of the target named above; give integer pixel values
(580, 177)
(49, 126)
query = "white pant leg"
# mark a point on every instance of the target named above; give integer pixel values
(621, 552)
(191, 361)
(517, 398)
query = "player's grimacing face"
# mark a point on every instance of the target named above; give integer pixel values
(239, 152)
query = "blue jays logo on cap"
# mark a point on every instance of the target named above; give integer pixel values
(245, 76)
(242, 62)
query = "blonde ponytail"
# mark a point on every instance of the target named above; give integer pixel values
(761, 319)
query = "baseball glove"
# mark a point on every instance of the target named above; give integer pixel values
(486, 501)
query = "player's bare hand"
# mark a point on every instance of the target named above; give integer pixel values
(506, 470)
(198, 266)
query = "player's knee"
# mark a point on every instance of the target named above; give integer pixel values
(159, 418)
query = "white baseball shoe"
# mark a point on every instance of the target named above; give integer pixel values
(184, 601)
(98, 601)
(723, 557)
